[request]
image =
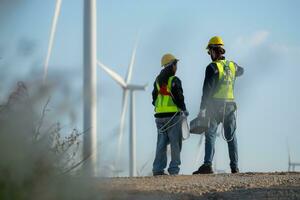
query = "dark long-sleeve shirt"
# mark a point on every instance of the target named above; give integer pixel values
(176, 90)
(211, 81)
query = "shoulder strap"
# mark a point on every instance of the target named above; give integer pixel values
(157, 85)
(170, 81)
(170, 85)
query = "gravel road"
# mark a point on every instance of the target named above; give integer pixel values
(216, 186)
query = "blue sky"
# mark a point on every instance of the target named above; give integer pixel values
(262, 36)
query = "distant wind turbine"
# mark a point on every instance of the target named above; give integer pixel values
(128, 89)
(292, 165)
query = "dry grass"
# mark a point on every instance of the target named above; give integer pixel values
(36, 157)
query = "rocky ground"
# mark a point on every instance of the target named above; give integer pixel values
(216, 186)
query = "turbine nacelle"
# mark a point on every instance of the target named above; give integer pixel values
(121, 81)
(136, 87)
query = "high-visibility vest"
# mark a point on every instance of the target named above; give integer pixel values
(225, 87)
(164, 102)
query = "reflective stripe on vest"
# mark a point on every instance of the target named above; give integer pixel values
(164, 102)
(225, 87)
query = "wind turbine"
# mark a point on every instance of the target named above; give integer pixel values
(89, 79)
(198, 155)
(216, 158)
(292, 165)
(128, 89)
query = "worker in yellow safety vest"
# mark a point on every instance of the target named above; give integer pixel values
(218, 104)
(168, 100)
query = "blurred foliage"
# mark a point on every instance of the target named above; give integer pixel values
(35, 158)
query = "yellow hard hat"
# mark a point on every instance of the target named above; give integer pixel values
(216, 40)
(167, 59)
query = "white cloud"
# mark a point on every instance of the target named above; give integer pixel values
(254, 40)
(258, 38)
(283, 49)
(258, 41)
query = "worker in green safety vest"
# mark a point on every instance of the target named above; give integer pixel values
(168, 100)
(218, 104)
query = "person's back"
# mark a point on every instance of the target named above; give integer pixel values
(168, 99)
(218, 104)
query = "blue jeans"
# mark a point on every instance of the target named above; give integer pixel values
(172, 136)
(229, 132)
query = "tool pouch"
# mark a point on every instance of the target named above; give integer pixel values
(199, 125)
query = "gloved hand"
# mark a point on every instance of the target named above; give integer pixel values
(185, 113)
(202, 113)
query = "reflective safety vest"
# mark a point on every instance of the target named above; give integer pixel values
(164, 102)
(225, 87)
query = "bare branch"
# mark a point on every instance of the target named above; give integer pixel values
(37, 132)
(78, 164)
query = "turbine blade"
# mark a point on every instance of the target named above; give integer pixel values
(113, 75)
(145, 164)
(197, 159)
(169, 150)
(52, 36)
(132, 60)
(122, 125)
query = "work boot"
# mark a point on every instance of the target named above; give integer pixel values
(204, 169)
(159, 173)
(235, 170)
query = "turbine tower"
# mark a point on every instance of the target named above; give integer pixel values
(90, 86)
(89, 79)
(128, 89)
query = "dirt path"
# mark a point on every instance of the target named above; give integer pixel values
(219, 186)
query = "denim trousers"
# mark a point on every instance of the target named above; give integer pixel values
(169, 134)
(229, 132)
